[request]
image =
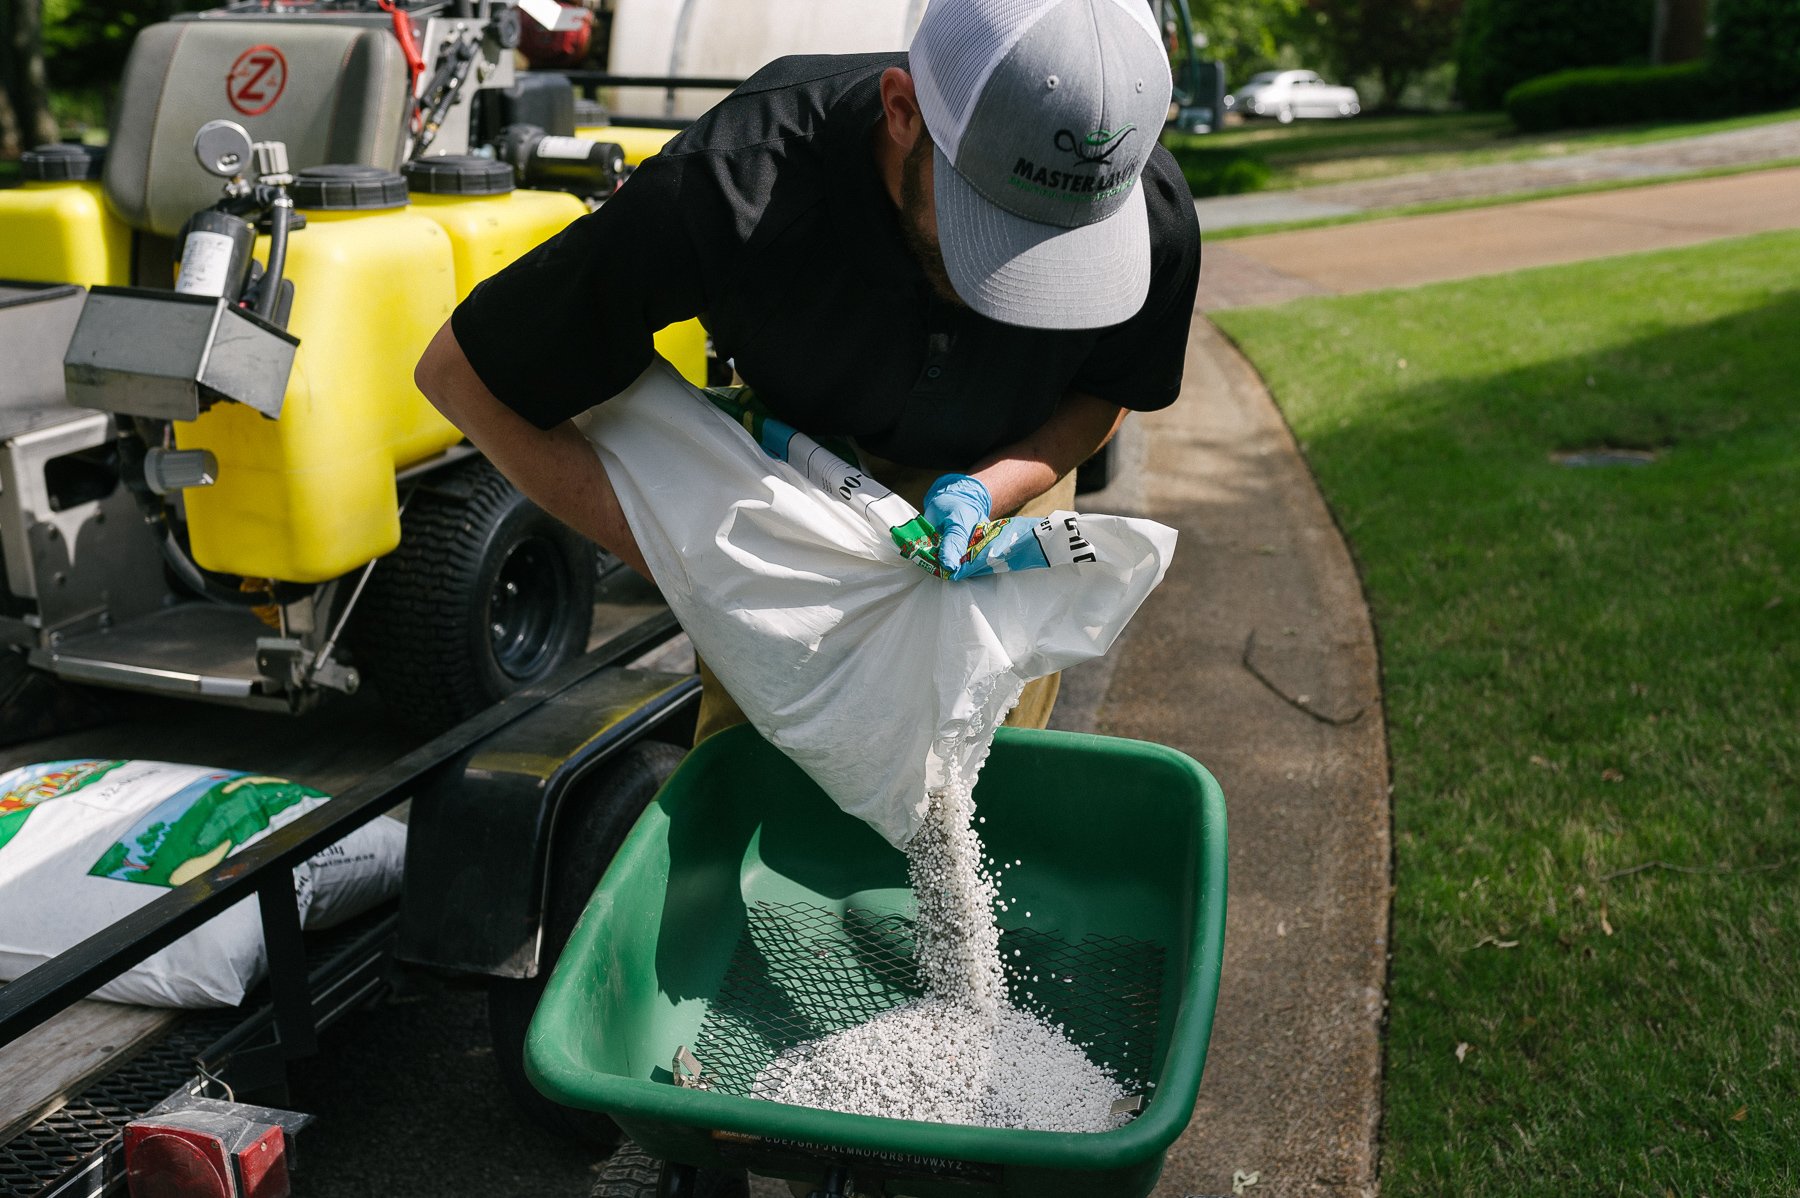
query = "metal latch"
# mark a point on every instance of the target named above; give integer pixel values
(686, 1068)
(294, 667)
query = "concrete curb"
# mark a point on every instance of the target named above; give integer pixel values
(1292, 1087)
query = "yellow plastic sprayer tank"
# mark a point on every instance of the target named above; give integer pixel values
(311, 495)
(638, 143)
(57, 227)
(490, 222)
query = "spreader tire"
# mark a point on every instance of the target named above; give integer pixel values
(633, 1173)
(485, 594)
(588, 831)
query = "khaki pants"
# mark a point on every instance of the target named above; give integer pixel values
(718, 711)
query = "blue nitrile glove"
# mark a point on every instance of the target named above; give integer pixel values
(955, 505)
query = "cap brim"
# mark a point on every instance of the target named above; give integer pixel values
(1042, 276)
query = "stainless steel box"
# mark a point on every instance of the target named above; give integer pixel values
(168, 355)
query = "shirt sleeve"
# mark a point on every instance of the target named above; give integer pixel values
(570, 323)
(1137, 364)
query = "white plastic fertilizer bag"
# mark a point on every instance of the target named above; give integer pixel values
(784, 564)
(85, 843)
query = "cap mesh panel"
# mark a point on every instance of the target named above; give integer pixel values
(955, 50)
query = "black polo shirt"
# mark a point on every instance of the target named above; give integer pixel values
(768, 220)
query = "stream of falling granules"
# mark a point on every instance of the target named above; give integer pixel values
(962, 1053)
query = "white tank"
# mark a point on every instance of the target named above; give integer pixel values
(730, 39)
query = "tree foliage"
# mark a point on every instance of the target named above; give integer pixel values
(1756, 46)
(1393, 40)
(1255, 35)
(86, 41)
(1505, 42)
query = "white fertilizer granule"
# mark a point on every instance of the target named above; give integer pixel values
(946, 1063)
(962, 1053)
(956, 941)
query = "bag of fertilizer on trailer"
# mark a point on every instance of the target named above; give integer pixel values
(797, 576)
(85, 843)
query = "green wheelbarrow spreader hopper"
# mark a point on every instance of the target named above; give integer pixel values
(746, 913)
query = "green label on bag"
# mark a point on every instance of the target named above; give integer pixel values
(197, 827)
(23, 789)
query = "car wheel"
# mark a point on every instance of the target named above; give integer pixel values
(1285, 115)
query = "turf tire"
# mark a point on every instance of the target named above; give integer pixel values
(474, 556)
(633, 1173)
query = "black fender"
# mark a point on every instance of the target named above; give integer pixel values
(480, 833)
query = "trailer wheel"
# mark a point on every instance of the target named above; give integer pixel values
(633, 1173)
(588, 831)
(486, 593)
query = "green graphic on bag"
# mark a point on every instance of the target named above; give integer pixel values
(21, 790)
(827, 463)
(196, 828)
(1001, 546)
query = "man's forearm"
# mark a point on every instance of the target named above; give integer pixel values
(1022, 471)
(556, 468)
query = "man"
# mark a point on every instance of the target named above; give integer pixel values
(970, 260)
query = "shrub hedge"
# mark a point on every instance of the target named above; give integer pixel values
(1616, 96)
(1503, 43)
(1755, 64)
(1220, 172)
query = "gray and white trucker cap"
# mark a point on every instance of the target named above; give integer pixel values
(1042, 114)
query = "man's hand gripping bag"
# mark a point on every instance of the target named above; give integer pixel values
(877, 678)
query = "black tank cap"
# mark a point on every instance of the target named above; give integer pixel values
(62, 162)
(345, 188)
(458, 175)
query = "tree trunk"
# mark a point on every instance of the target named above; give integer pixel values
(1394, 81)
(1680, 31)
(9, 128)
(27, 82)
(9, 117)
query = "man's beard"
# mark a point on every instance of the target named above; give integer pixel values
(913, 206)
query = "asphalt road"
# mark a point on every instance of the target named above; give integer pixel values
(408, 1101)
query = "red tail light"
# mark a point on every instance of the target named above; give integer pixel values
(202, 1148)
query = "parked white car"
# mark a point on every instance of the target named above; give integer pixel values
(1285, 95)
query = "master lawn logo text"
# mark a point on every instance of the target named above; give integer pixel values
(1093, 150)
(1068, 185)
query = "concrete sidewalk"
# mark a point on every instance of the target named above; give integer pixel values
(1407, 251)
(1738, 147)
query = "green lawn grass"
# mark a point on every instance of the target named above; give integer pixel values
(1310, 153)
(1586, 671)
